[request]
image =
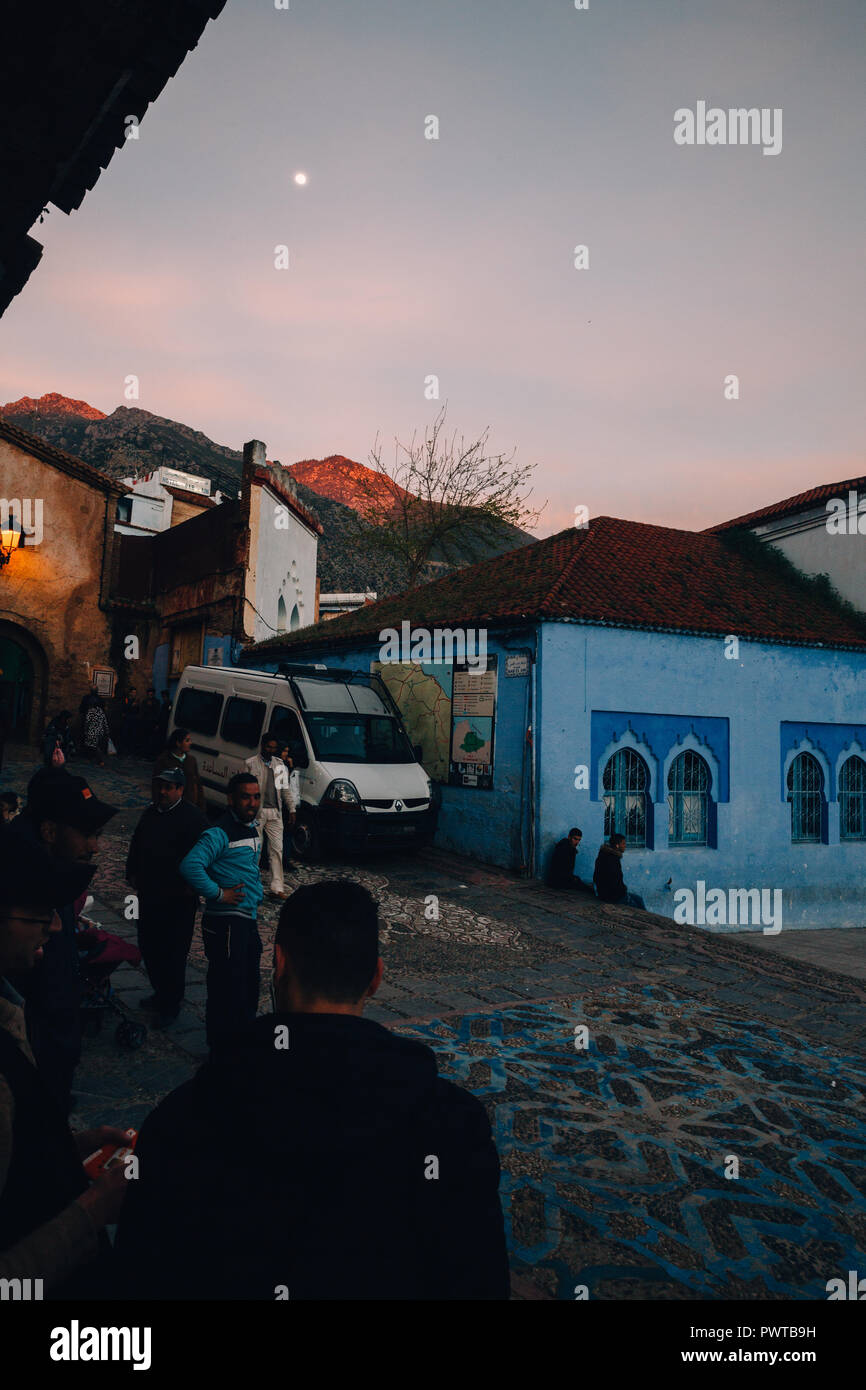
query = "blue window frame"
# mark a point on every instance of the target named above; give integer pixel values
(688, 800)
(852, 799)
(806, 795)
(626, 800)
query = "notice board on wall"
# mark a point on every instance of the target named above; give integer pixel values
(473, 726)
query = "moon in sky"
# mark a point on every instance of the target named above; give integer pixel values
(300, 178)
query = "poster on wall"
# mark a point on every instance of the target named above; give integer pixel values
(422, 693)
(449, 713)
(103, 682)
(473, 724)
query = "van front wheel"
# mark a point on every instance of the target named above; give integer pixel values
(306, 840)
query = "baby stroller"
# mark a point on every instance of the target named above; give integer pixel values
(99, 953)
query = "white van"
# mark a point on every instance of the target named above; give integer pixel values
(362, 785)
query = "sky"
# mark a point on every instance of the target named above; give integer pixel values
(411, 258)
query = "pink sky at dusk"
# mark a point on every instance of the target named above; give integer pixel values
(454, 257)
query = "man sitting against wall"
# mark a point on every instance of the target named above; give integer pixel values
(607, 875)
(561, 872)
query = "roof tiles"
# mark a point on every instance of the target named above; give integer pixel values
(613, 572)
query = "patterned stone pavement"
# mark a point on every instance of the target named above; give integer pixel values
(703, 1138)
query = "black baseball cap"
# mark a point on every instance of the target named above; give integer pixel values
(54, 794)
(174, 775)
(31, 877)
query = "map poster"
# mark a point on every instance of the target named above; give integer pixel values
(473, 719)
(422, 693)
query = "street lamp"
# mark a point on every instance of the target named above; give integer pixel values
(10, 539)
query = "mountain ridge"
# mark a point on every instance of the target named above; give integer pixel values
(131, 442)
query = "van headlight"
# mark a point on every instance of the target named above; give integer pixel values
(345, 793)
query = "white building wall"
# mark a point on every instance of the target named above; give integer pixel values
(285, 566)
(814, 549)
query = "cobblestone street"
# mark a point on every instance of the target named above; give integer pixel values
(707, 1142)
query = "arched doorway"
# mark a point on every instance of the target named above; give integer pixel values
(22, 682)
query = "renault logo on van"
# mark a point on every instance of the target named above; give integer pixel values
(398, 805)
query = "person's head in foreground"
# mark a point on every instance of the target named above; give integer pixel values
(326, 950)
(244, 797)
(575, 836)
(169, 787)
(32, 887)
(617, 841)
(66, 814)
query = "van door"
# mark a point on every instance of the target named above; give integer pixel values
(199, 711)
(286, 726)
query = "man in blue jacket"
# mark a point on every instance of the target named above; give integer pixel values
(223, 868)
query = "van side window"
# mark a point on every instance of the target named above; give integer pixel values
(242, 721)
(198, 711)
(286, 726)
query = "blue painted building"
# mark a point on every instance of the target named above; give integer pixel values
(690, 690)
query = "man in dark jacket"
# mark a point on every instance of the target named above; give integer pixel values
(607, 876)
(561, 873)
(165, 834)
(328, 1159)
(65, 816)
(51, 1221)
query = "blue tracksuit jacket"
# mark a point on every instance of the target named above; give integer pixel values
(226, 854)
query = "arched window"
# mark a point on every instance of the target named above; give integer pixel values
(296, 619)
(625, 781)
(852, 799)
(688, 800)
(806, 795)
(281, 614)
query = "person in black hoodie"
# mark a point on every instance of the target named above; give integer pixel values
(317, 1155)
(66, 818)
(165, 834)
(561, 872)
(52, 1221)
(607, 875)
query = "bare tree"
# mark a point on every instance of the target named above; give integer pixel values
(442, 502)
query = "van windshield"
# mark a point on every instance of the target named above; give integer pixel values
(357, 738)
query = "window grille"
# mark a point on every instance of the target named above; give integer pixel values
(688, 800)
(852, 799)
(806, 795)
(625, 781)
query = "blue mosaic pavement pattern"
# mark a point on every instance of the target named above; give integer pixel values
(618, 1152)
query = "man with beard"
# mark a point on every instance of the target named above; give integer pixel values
(65, 817)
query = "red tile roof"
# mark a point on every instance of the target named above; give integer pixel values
(67, 463)
(616, 573)
(804, 501)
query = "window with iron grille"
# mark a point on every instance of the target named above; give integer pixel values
(852, 799)
(625, 781)
(688, 800)
(806, 795)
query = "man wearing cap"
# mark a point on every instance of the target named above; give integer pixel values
(165, 834)
(65, 817)
(51, 1220)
